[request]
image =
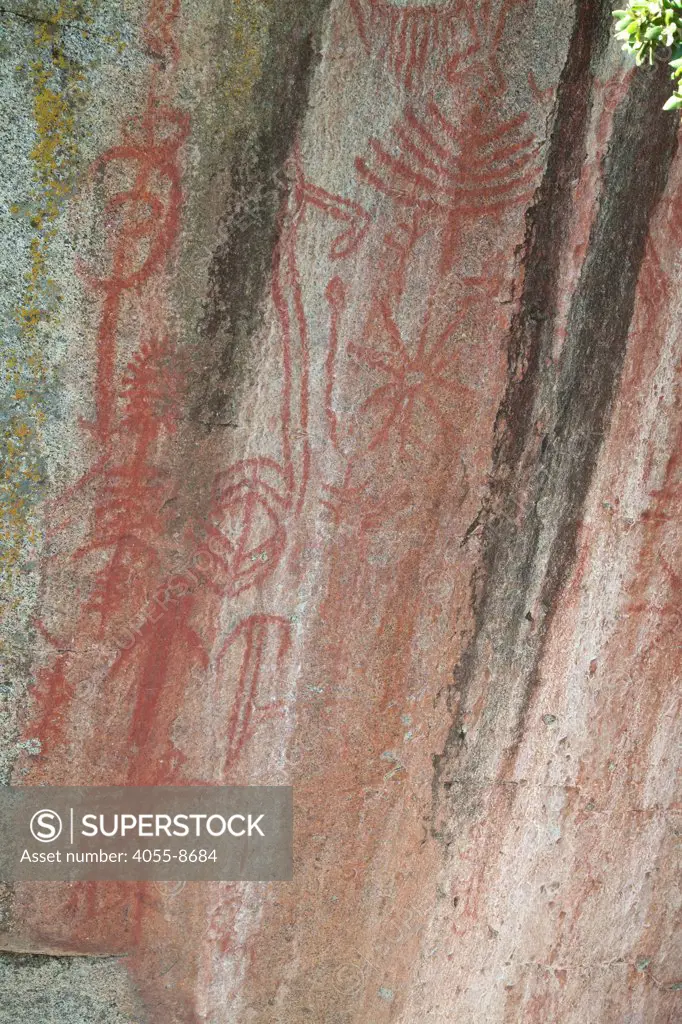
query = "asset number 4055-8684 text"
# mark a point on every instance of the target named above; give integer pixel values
(182, 856)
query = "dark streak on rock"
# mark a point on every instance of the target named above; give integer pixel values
(35, 19)
(552, 420)
(10, 958)
(240, 270)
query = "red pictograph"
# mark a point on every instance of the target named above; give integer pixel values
(53, 702)
(170, 649)
(456, 149)
(158, 30)
(456, 155)
(409, 384)
(251, 500)
(257, 640)
(668, 612)
(126, 517)
(143, 221)
(260, 490)
(336, 298)
(246, 532)
(407, 37)
(288, 303)
(353, 218)
(358, 508)
(136, 409)
(408, 379)
(412, 405)
(115, 511)
(476, 166)
(413, 39)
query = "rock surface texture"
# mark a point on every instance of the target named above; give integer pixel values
(342, 447)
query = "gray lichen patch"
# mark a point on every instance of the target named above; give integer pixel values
(39, 989)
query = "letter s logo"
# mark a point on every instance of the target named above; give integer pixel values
(46, 826)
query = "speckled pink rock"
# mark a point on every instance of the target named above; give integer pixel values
(374, 489)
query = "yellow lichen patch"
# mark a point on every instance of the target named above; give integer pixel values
(250, 23)
(55, 89)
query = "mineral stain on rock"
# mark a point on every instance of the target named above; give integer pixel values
(239, 272)
(542, 474)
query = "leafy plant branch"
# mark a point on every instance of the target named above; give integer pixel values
(647, 26)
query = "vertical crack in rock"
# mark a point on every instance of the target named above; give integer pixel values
(552, 420)
(240, 269)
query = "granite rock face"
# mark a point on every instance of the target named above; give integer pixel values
(342, 447)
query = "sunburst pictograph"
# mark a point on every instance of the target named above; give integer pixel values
(419, 392)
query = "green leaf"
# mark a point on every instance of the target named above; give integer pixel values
(674, 103)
